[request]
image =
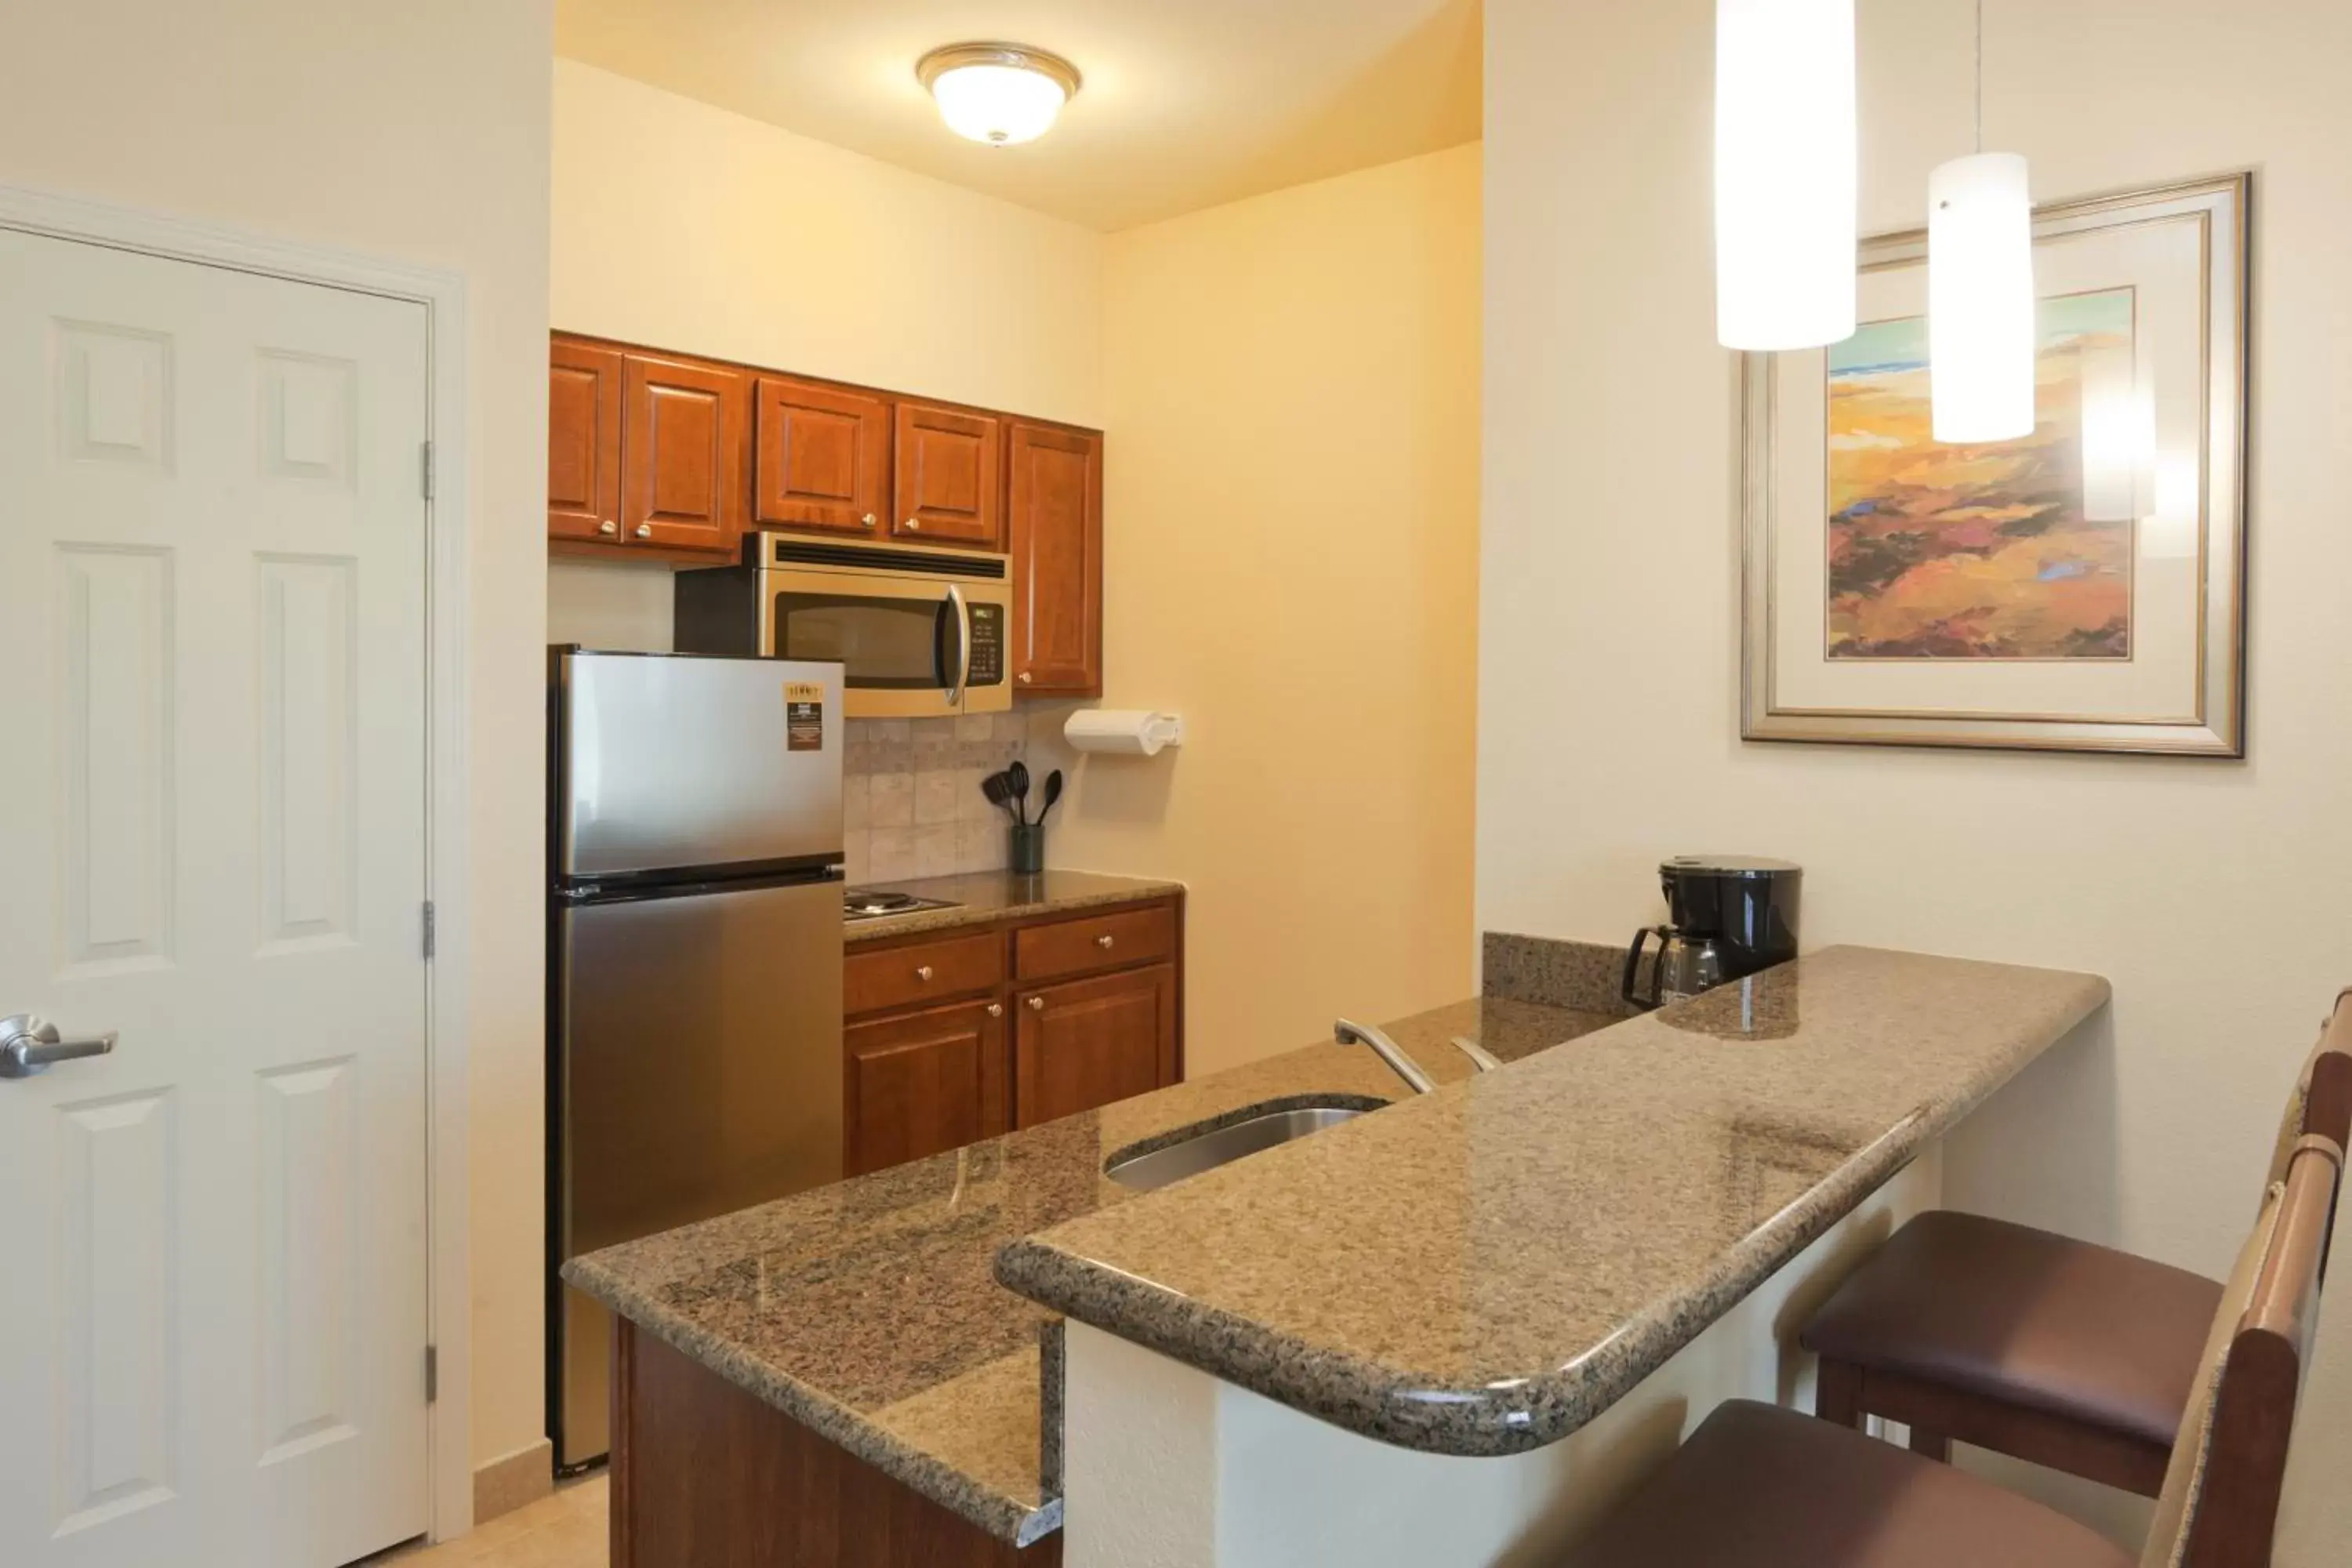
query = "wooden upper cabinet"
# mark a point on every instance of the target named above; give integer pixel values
(1086, 1043)
(920, 1085)
(822, 457)
(947, 485)
(1055, 499)
(682, 460)
(583, 442)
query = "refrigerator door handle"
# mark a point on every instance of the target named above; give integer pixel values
(962, 614)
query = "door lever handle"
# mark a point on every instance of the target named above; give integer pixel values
(29, 1045)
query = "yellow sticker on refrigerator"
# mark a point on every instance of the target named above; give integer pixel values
(804, 716)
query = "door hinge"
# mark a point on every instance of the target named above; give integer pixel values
(428, 928)
(427, 464)
(431, 1374)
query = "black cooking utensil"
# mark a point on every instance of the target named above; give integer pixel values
(998, 788)
(1053, 794)
(1018, 776)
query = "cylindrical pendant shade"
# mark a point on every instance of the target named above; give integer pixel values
(1980, 298)
(1785, 185)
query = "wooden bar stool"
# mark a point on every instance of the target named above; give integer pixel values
(2039, 1346)
(1760, 1487)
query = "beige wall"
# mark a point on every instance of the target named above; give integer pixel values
(2210, 894)
(416, 132)
(1291, 552)
(688, 228)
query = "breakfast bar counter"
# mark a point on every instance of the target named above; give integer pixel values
(1482, 1270)
(1479, 1271)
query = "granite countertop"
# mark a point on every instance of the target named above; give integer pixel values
(1484, 1269)
(982, 896)
(868, 1309)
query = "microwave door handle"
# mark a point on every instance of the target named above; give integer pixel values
(962, 614)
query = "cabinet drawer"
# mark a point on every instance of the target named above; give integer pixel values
(919, 975)
(1100, 941)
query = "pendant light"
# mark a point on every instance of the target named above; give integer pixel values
(1980, 290)
(1785, 182)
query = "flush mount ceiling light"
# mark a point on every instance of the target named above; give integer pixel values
(1980, 290)
(1001, 94)
(1786, 199)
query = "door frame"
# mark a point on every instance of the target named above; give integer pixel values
(442, 293)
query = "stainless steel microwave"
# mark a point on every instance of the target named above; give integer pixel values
(919, 632)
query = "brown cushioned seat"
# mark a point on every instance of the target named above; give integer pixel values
(1759, 1487)
(2027, 1318)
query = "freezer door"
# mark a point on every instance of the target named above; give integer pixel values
(698, 1046)
(662, 763)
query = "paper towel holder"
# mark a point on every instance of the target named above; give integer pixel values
(1123, 732)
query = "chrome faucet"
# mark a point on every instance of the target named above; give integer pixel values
(1403, 1066)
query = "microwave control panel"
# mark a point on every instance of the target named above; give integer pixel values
(987, 645)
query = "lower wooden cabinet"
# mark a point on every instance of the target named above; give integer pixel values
(707, 1476)
(1086, 1043)
(964, 1035)
(922, 1083)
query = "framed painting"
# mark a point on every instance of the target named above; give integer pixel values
(2082, 588)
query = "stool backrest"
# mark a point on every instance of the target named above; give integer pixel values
(2323, 1093)
(2220, 1498)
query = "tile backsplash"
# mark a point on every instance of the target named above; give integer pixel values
(911, 792)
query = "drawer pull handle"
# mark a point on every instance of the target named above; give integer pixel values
(1103, 943)
(922, 972)
(1036, 1004)
(996, 1009)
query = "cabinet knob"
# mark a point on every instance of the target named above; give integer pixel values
(1036, 1004)
(608, 528)
(1103, 942)
(922, 972)
(996, 1009)
(1026, 678)
(914, 525)
(644, 530)
(867, 520)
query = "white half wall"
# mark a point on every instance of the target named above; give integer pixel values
(1167, 1467)
(2210, 893)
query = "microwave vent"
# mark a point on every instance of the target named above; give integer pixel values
(785, 551)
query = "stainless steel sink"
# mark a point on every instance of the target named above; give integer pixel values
(1235, 1141)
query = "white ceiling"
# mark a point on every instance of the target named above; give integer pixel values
(1187, 103)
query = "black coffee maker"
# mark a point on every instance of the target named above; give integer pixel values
(1727, 917)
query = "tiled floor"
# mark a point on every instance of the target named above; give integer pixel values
(566, 1530)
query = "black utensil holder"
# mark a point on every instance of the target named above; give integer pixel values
(1028, 847)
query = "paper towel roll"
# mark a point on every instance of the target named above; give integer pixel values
(1123, 732)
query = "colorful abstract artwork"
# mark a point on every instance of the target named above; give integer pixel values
(1993, 552)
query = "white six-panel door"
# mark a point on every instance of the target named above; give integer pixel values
(212, 841)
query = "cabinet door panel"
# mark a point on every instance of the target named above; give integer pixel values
(583, 442)
(947, 485)
(683, 463)
(823, 456)
(1055, 501)
(1089, 1042)
(923, 1084)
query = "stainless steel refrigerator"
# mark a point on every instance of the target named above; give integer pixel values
(694, 964)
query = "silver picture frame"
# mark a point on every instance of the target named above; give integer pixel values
(2215, 723)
